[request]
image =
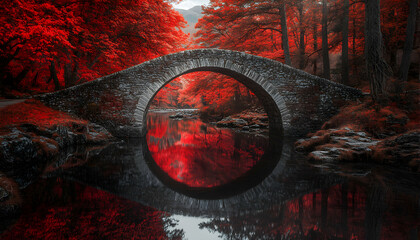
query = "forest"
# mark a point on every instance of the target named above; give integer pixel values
(115, 158)
(370, 45)
(50, 45)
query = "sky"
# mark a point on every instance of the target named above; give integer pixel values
(187, 4)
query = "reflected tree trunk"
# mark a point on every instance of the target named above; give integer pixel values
(324, 208)
(344, 209)
(413, 234)
(375, 210)
(300, 220)
(353, 201)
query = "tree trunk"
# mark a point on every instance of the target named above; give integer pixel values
(71, 75)
(325, 53)
(377, 69)
(409, 40)
(345, 45)
(315, 32)
(301, 37)
(20, 77)
(284, 34)
(35, 79)
(53, 75)
(354, 56)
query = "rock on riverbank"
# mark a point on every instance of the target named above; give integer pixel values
(347, 145)
(32, 135)
(366, 133)
(246, 120)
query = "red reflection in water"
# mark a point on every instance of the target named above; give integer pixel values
(57, 209)
(343, 211)
(198, 154)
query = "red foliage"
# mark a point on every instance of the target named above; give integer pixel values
(34, 112)
(213, 93)
(254, 27)
(375, 119)
(91, 214)
(46, 44)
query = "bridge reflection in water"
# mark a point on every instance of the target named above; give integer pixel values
(117, 193)
(204, 161)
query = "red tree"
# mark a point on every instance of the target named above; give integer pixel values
(75, 41)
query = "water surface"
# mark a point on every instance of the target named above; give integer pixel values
(162, 187)
(198, 154)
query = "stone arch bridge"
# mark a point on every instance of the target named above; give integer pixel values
(295, 101)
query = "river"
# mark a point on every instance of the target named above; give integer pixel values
(191, 180)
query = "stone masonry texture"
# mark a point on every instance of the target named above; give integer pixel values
(296, 102)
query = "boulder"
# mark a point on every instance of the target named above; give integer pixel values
(232, 122)
(177, 115)
(348, 145)
(26, 149)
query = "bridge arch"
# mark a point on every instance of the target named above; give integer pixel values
(268, 94)
(296, 102)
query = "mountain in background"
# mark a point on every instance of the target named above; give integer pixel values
(191, 16)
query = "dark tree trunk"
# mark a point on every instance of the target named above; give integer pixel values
(377, 69)
(324, 209)
(284, 34)
(355, 66)
(35, 79)
(301, 37)
(325, 52)
(409, 40)
(20, 77)
(344, 210)
(53, 75)
(375, 210)
(70, 74)
(345, 45)
(315, 32)
(300, 219)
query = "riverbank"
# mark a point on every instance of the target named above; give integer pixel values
(366, 132)
(33, 139)
(247, 120)
(33, 136)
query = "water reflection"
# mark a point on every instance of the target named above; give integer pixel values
(199, 155)
(345, 211)
(62, 209)
(112, 193)
(56, 208)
